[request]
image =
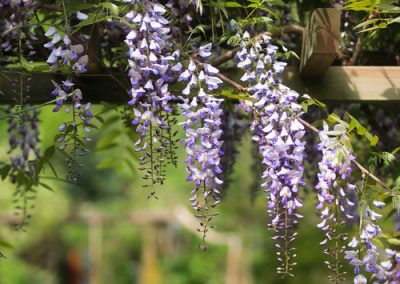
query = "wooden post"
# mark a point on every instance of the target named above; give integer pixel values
(320, 42)
(95, 247)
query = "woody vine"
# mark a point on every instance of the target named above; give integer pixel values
(173, 54)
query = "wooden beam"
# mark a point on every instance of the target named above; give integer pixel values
(339, 84)
(320, 42)
(349, 84)
(95, 87)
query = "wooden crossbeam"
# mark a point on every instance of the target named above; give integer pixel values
(95, 87)
(339, 84)
(349, 84)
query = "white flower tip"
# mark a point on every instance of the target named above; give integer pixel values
(81, 16)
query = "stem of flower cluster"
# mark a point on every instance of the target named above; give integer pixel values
(241, 88)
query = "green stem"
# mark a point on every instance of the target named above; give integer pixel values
(65, 14)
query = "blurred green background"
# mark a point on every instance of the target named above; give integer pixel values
(105, 230)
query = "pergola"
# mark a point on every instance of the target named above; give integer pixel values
(315, 75)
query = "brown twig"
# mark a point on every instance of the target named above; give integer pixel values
(224, 78)
(309, 126)
(357, 164)
(359, 43)
(216, 61)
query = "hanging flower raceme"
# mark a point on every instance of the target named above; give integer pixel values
(364, 255)
(73, 133)
(23, 130)
(152, 68)
(24, 140)
(180, 12)
(15, 33)
(334, 190)
(279, 135)
(234, 125)
(203, 143)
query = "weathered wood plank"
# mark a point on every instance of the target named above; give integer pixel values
(350, 84)
(320, 42)
(339, 84)
(95, 87)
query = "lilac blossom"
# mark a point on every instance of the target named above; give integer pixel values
(65, 52)
(279, 135)
(180, 12)
(152, 68)
(334, 189)
(14, 28)
(203, 130)
(24, 140)
(364, 254)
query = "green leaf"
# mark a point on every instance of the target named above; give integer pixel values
(92, 19)
(394, 20)
(107, 139)
(106, 147)
(4, 244)
(395, 151)
(382, 25)
(361, 130)
(46, 186)
(366, 23)
(352, 125)
(231, 4)
(110, 7)
(49, 153)
(75, 7)
(393, 241)
(199, 7)
(107, 163)
(40, 67)
(374, 140)
(4, 171)
(52, 168)
(335, 118)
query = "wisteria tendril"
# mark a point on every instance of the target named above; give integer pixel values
(152, 68)
(279, 136)
(73, 133)
(334, 188)
(202, 126)
(14, 28)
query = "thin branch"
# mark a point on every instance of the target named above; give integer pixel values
(223, 77)
(357, 164)
(312, 128)
(216, 61)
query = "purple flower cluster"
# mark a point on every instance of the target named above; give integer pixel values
(180, 13)
(152, 68)
(334, 189)
(364, 254)
(14, 29)
(202, 126)
(24, 140)
(279, 135)
(65, 54)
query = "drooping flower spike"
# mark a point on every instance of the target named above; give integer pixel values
(152, 68)
(363, 253)
(279, 135)
(334, 189)
(73, 134)
(203, 130)
(16, 36)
